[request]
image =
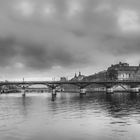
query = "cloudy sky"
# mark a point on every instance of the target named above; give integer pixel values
(52, 38)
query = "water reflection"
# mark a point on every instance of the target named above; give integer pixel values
(97, 116)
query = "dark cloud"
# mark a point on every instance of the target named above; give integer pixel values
(7, 51)
(91, 36)
(120, 45)
(36, 56)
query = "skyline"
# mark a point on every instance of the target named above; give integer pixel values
(79, 73)
(51, 38)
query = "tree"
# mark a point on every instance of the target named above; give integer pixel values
(112, 74)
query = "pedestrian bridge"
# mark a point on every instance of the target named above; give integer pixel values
(80, 84)
(24, 85)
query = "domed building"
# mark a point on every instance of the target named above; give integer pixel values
(123, 71)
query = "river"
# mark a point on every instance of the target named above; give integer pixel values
(96, 116)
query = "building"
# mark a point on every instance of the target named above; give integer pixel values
(120, 71)
(100, 76)
(123, 71)
(79, 77)
(63, 79)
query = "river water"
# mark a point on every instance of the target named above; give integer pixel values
(96, 116)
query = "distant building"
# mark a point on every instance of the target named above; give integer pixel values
(79, 77)
(123, 71)
(96, 77)
(63, 79)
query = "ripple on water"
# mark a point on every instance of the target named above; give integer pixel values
(95, 116)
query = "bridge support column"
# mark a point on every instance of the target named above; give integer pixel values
(54, 92)
(134, 89)
(82, 92)
(0, 89)
(23, 91)
(109, 90)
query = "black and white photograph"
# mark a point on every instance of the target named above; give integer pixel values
(69, 70)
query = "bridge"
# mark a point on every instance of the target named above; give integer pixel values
(80, 84)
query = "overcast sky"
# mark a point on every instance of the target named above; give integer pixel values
(52, 38)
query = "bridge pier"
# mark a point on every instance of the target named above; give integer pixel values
(23, 91)
(53, 89)
(134, 89)
(82, 92)
(109, 90)
(1, 91)
(54, 92)
(23, 95)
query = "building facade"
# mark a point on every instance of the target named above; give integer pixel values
(63, 79)
(79, 77)
(123, 71)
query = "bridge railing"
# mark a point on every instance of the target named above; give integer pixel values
(67, 82)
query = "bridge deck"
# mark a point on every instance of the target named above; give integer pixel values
(68, 82)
